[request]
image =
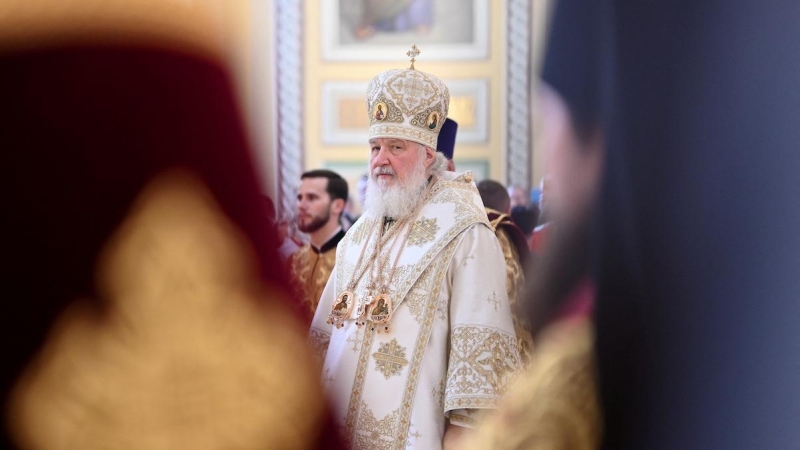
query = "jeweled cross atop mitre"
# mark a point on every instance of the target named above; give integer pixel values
(413, 53)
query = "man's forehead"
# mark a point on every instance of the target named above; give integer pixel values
(314, 183)
(387, 141)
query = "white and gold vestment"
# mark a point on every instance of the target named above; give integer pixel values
(450, 350)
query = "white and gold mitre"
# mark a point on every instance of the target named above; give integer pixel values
(407, 104)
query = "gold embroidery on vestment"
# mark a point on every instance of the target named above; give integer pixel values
(390, 359)
(318, 341)
(419, 285)
(466, 213)
(358, 389)
(438, 393)
(361, 232)
(408, 90)
(423, 231)
(355, 340)
(431, 280)
(376, 434)
(493, 300)
(482, 363)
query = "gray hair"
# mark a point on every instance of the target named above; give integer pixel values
(439, 162)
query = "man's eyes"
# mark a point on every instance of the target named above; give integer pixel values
(392, 148)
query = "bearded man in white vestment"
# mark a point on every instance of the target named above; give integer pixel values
(414, 326)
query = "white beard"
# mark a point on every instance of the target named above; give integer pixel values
(399, 200)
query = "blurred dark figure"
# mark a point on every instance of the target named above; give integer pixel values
(289, 236)
(394, 16)
(555, 403)
(526, 218)
(494, 196)
(349, 216)
(144, 303)
(362, 191)
(269, 209)
(519, 196)
(697, 316)
(515, 251)
(545, 188)
(446, 144)
(699, 251)
(539, 235)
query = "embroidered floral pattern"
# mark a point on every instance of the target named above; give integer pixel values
(493, 300)
(459, 193)
(412, 92)
(390, 359)
(442, 309)
(482, 363)
(358, 388)
(373, 433)
(360, 233)
(416, 301)
(318, 341)
(309, 272)
(467, 259)
(423, 231)
(434, 276)
(355, 340)
(438, 393)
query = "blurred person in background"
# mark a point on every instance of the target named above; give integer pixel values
(149, 310)
(446, 143)
(269, 208)
(362, 191)
(697, 309)
(554, 404)
(515, 251)
(539, 235)
(394, 16)
(349, 216)
(320, 202)
(526, 218)
(288, 236)
(519, 196)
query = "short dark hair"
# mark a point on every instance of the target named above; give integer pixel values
(525, 217)
(337, 186)
(494, 195)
